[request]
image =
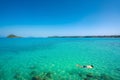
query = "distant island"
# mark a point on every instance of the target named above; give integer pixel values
(104, 36)
(13, 36)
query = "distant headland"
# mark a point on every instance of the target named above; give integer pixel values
(99, 36)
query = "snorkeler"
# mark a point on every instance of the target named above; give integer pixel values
(85, 66)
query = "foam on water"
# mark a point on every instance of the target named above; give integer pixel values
(56, 59)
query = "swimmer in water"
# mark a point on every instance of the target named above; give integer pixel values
(85, 66)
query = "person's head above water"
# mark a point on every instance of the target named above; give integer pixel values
(92, 66)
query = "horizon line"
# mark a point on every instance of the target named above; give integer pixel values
(65, 36)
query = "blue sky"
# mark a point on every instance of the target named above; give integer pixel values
(59, 17)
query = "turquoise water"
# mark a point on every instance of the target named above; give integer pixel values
(56, 58)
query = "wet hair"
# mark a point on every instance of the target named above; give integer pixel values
(84, 66)
(92, 66)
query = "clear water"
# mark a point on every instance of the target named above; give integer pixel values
(56, 59)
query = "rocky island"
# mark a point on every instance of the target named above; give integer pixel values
(13, 36)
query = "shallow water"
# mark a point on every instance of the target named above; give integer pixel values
(56, 58)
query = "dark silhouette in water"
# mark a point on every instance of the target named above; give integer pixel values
(33, 73)
(36, 78)
(17, 76)
(49, 74)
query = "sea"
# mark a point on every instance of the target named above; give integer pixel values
(58, 58)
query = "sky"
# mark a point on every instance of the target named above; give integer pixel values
(41, 18)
